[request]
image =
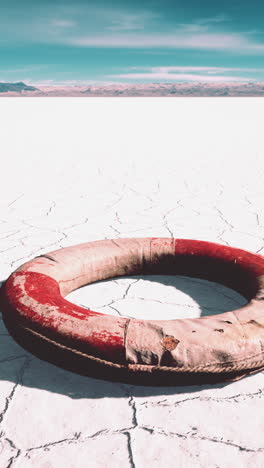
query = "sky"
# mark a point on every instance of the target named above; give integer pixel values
(53, 42)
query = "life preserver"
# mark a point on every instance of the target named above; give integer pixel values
(155, 352)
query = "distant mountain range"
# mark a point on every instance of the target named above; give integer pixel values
(16, 87)
(198, 89)
(193, 89)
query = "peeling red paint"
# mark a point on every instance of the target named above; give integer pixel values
(15, 294)
(46, 292)
(110, 343)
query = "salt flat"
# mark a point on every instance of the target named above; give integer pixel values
(77, 170)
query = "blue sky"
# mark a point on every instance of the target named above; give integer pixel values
(86, 41)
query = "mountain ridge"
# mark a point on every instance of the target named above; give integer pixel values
(17, 87)
(179, 89)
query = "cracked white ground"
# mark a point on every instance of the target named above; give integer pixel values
(76, 170)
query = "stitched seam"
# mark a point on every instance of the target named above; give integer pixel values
(241, 326)
(182, 369)
(125, 340)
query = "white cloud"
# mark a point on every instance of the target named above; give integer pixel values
(94, 26)
(202, 25)
(63, 23)
(122, 22)
(52, 82)
(182, 69)
(180, 77)
(187, 73)
(221, 18)
(213, 41)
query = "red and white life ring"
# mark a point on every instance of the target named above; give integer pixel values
(155, 352)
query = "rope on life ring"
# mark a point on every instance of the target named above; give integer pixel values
(215, 348)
